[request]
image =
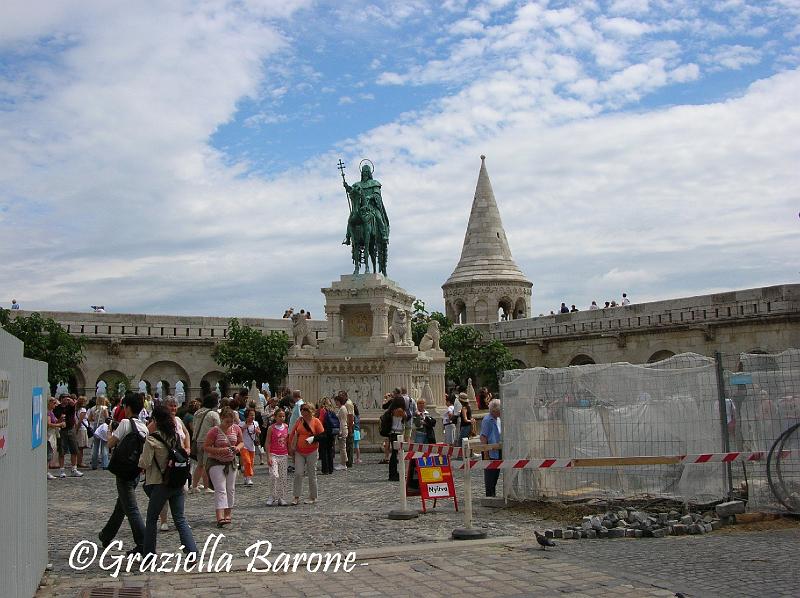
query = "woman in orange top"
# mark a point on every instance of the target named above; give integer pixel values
(303, 444)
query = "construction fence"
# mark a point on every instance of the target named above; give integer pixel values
(687, 404)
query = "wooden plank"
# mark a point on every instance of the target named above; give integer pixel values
(612, 461)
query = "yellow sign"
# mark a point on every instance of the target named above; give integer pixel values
(430, 474)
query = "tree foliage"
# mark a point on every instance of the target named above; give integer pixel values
(248, 354)
(469, 356)
(46, 341)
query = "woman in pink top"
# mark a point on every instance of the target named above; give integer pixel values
(278, 459)
(222, 444)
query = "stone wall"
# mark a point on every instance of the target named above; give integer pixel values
(763, 319)
(155, 347)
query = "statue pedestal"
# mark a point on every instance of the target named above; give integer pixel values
(368, 349)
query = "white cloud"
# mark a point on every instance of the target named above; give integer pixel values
(624, 27)
(732, 57)
(111, 190)
(343, 100)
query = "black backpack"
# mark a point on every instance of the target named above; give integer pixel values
(176, 472)
(385, 424)
(124, 462)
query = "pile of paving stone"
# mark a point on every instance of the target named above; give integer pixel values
(635, 523)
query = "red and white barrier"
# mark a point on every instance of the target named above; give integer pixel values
(565, 463)
(415, 450)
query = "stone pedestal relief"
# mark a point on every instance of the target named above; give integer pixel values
(368, 351)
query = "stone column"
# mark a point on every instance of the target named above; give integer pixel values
(380, 322)
(334, 324)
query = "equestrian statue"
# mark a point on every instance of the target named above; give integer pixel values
(368, 224)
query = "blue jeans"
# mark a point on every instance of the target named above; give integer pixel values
(159, 495)
(99, 452)
(421, 436)
(126, 507)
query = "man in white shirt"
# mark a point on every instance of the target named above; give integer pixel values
(594, 305)
(625, 300)
(126, 505)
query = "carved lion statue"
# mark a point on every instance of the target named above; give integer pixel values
(431, 338)
(301, 330)
(400, 330)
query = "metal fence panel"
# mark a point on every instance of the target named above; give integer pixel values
(23, 487)
(673, 407)
(762, 394)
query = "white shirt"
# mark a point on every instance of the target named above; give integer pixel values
(125, 427)
(593, 306)
(249, 432)
(447, 416)
(626, 301)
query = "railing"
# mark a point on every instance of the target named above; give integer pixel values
(700, 311)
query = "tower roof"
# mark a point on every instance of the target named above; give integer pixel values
(485, 255)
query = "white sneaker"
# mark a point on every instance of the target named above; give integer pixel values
(283, 503)
(209, 491)
(61, 473)
(310, 501)
(50, 476)
(164, 527)
(339, 467)
(248, 482)
(74, 473)
(200, 487)
(270, 501)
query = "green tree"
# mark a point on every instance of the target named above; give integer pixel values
(45, 340)
(471, 357)
(249, 354)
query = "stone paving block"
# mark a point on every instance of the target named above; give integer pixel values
(733, 507)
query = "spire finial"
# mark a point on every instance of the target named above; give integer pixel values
(483, 157)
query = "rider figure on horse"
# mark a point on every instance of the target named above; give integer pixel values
(368, 224)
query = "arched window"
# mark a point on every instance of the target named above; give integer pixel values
(581, 360)
(520, 309)
(660, 356)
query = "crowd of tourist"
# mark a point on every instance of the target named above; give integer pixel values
(200, 447)
(564, 309)
(289, 313)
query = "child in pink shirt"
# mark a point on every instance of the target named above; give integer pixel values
(278, 459)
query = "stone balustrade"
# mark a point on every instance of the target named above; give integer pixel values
(140, 326)
(702, 312)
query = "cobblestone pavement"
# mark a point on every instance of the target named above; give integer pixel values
(351, 515)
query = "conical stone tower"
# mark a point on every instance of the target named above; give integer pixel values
(486, 285)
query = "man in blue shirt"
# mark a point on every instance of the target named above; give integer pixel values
(490, 434)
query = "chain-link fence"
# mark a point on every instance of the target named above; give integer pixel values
(672, 407)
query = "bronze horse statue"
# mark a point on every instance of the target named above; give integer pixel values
(368, 224)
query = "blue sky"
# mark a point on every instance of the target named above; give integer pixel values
(163, 157)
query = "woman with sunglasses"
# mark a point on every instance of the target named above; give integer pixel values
(303, 445)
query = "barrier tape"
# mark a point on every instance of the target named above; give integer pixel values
(426, 450)
(565, 463)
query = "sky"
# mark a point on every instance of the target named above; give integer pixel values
(179, 157)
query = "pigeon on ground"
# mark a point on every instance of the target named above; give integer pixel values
(543, 541)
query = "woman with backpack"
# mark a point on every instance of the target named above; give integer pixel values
(330, 422)
(166, 466)
(222, 444)
(184, 440)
